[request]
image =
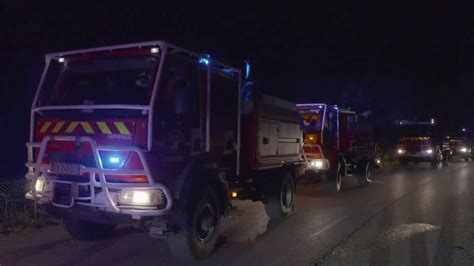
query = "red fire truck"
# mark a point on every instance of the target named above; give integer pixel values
(335, 144)
(420, 141)
(153, 134)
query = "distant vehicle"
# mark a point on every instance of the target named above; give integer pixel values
(421, 141)
(336, 145)
(460, 144)
(155, 135)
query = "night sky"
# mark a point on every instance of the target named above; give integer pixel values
(402, 61)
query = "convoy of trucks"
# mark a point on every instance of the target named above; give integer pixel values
(164, 138)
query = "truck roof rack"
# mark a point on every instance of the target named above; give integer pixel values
(216, 65)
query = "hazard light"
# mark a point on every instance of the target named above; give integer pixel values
(114, 160)
(205, 59)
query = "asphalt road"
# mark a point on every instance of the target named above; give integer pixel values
(414, 216)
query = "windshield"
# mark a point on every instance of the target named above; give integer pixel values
(416, 131)
(311, 120)
(124, 80)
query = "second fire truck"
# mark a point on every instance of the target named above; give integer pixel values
(337, 144)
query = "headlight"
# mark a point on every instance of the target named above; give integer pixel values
(39, 185)
(463, 149)
(429, 151)
(378, 161)
(400, 151)
(141, 197)
(318, 164)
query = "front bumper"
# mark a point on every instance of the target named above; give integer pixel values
(102, 196)
(417, 156)
(86, 213)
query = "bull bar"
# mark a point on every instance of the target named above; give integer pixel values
(38, 168)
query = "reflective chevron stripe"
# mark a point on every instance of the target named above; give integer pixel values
(104, 128)
(122, 128)
(87, 127)
(72, 127)
(45, 127)
(58, 127)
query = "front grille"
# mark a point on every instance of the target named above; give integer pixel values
(413, 148)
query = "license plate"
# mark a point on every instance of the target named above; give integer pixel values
(62, 194)
(66, 168)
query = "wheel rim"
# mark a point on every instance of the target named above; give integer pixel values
(287, 194)
(205, 223)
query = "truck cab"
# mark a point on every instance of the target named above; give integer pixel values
(336, 144)
(421, 141)
(155, 135)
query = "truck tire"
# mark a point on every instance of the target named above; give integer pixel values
(280, 199)
(87, 231)
(365, 178)
(198, 239)
(336, 180)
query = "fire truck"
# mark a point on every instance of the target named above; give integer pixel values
(336, 144)
(158, 136)
(421, 141)
(460, 145)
